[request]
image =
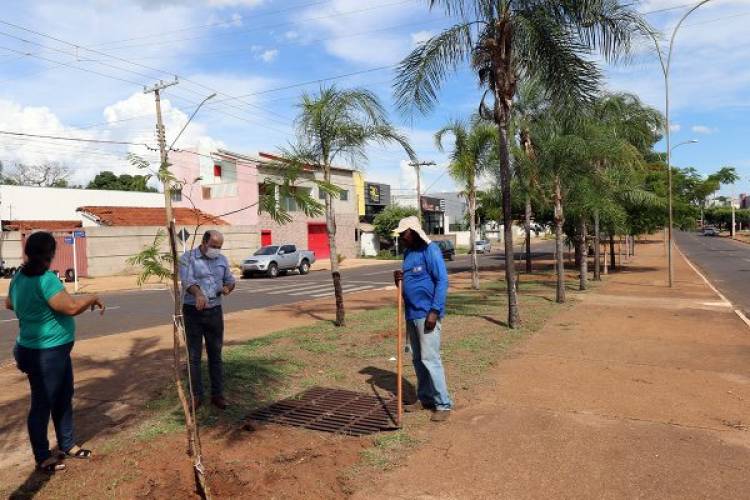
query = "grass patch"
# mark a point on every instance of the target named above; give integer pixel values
(357, 357)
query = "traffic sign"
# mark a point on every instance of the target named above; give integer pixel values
(183, 235)
(79, 234)
(69, 240)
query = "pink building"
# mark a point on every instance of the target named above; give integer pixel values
(226, 185)
(220, 183)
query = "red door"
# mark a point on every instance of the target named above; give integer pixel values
(265, 237)
(317, 240)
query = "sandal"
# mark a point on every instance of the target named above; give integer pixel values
(51, 465)
(78, 452)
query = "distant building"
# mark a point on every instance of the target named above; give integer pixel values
(744, 201)
(36, 204)
(456, 209)
(433, 210)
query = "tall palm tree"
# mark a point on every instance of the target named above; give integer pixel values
(472, 150)
(337, 125)
(504, 40)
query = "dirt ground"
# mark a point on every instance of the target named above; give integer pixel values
(635, 391)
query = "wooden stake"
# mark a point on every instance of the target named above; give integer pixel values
(400, 355)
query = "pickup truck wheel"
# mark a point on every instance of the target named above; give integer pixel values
(273, 270)
(246, 274)
(304, 267)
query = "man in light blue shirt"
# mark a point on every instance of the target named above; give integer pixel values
(206, 277)
(425, 287)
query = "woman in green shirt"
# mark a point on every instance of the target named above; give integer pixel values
(47, 330)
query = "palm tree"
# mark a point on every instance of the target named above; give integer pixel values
(337, 125)
(473, 147)
(504, 40)
(531, 102)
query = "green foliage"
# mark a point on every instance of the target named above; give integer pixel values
(152, 261)
(387, 220)
(107, 180)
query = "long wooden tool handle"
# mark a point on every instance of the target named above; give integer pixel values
(399, 355)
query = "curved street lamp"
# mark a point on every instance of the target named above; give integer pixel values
(666, 62)
(691, 141)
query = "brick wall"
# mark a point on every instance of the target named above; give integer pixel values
(295, 232)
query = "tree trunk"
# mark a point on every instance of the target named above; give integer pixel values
(510, 267)
(473, 236)
(559, 243)
(597, 249)
(584, 252)
(612, 263)
(334, 256)
(527, 228)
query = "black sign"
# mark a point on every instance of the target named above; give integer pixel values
(373, 194)
(183, 235)
(430, 204)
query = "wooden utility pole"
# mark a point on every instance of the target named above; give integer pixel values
(188, 408)
(417, 167)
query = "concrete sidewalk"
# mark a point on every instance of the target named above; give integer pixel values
(638, 391)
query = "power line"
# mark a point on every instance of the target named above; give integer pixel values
(211, 25)
(76, 139)
(266, 27)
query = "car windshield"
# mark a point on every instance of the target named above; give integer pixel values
(266, 250)
(481, 242)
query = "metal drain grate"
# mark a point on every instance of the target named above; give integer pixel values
(332, 410)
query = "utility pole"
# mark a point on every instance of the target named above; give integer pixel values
(731, 203)
(188, 406)
(417, 167)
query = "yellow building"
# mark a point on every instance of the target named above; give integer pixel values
(359, 189)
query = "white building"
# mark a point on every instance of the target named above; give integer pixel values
(29, 203)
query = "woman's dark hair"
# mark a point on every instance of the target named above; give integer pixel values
(40, 250)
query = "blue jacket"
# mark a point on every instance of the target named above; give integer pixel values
(425, 282)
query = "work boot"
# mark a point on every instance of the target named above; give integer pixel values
(418, 406)
(219, 402)
(440, 416)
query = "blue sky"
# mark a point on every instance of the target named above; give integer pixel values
(87, 80)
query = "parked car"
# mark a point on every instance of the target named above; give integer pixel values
(483, 246)
(274, 259)
(446, 246)
(710, 231)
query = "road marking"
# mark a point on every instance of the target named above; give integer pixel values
(300, 290)
(710, 285)
(311, 290)
(349, 290)
(271, 288)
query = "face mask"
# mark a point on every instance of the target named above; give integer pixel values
(213, 253)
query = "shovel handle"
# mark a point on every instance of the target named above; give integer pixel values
(399, 354)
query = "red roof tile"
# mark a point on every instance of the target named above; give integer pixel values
(44, 225)
(147, 216)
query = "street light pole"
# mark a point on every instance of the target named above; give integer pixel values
(665, 66)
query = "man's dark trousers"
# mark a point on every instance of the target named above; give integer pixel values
(207, 324)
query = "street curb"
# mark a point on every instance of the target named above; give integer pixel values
(739, 313)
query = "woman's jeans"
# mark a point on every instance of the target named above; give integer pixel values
(50, 373)
(432, 389)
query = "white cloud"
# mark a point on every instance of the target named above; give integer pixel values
(269, 55)
(675, 127)
(291, 35)
(381, 48)
(702, 129)
(233, 3)
(420, 37)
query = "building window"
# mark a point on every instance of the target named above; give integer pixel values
(321, 194)
(176, 195)
(217, 170)
(289, 203)
(344, 195)
(266, 191)
(206, 191)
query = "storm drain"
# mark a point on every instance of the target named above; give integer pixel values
(332, 410)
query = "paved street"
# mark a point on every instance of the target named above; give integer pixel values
(134, 310)
(725, 263)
